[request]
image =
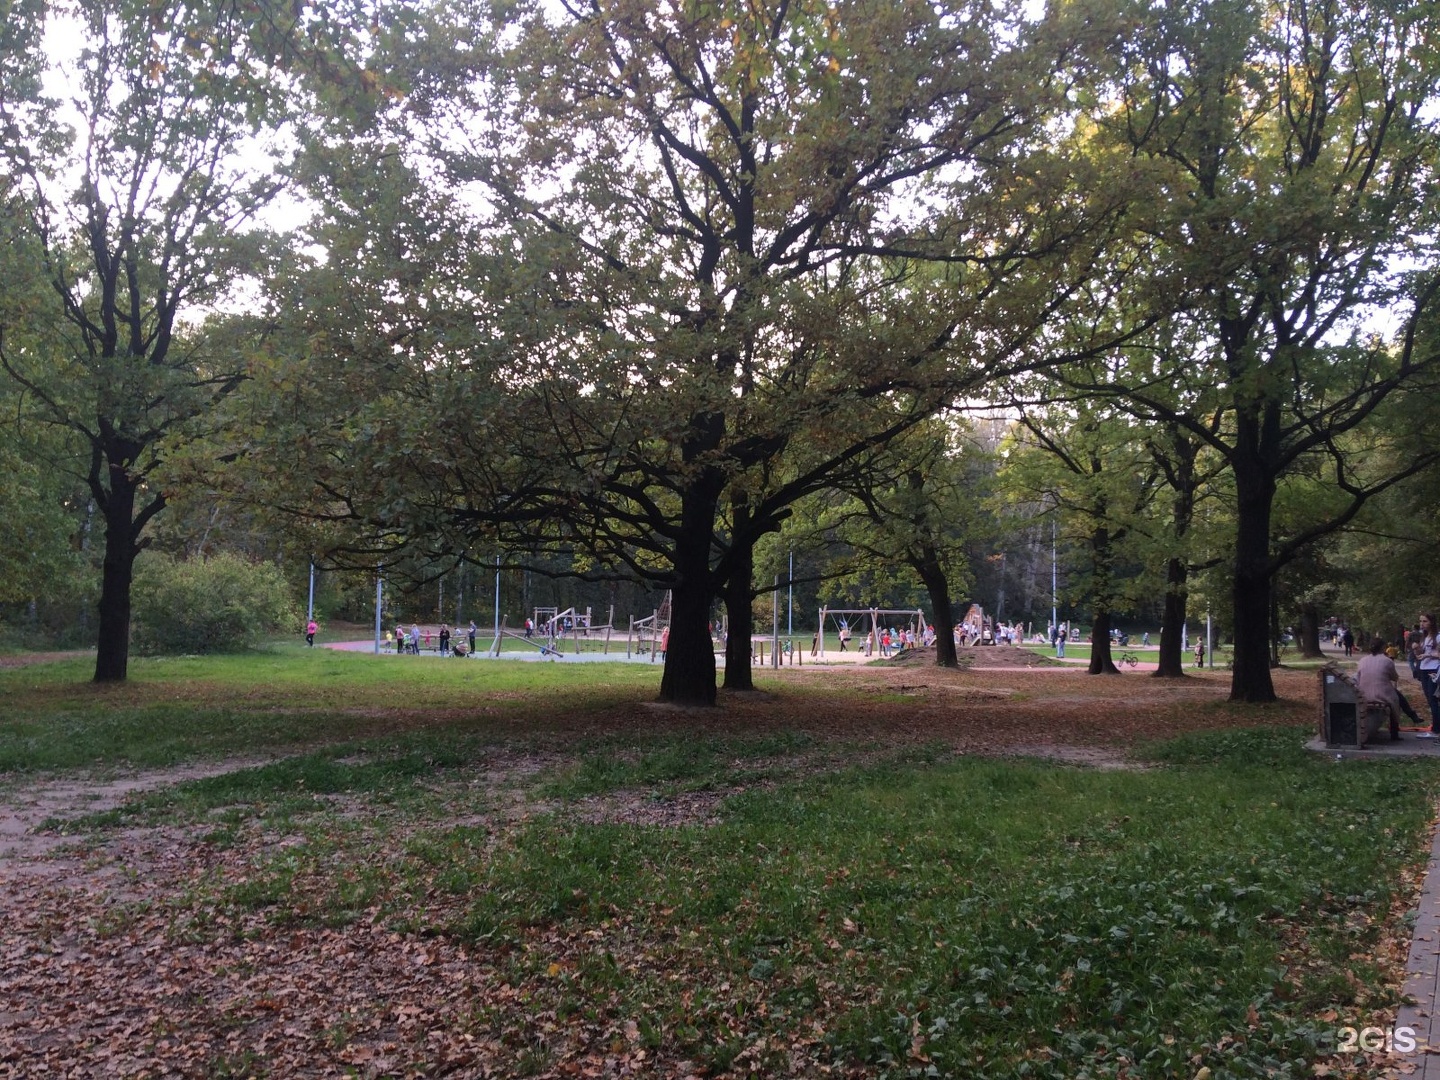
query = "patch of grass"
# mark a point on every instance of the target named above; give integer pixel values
(674, 763)
(979, 916)
(917, 914)
(181, 708)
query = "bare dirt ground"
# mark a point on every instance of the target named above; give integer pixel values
(105, 970)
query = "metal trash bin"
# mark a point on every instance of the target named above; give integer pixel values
(1345, 722)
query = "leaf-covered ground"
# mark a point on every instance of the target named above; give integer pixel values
(555, 901)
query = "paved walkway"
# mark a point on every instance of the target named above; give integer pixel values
(1415, 1038)
(1417, 1023)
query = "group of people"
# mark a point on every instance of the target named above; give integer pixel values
(1378, 680)
(971, 633)
(894, 640)
(889, 641)
(458, 643)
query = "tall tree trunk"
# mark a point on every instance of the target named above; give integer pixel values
(937, 586)
(689, 677)
(1254, 491)
(1172, 626)
(1102, 560)
(112, 646)
(1310, 632)
(740, 612)
(1100, 661)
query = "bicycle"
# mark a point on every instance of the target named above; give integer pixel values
(1129, 659)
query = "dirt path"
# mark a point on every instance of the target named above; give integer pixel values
(30, 845)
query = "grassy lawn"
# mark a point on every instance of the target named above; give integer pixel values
(175, 709)
(527, 869)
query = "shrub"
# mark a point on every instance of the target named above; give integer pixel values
(220, 604)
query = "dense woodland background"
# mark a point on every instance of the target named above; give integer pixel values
(647, 300)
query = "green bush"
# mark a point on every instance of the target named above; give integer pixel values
(220, 604)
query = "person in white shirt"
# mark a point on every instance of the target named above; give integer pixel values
(1430, 672)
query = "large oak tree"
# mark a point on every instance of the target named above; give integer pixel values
(710, 256)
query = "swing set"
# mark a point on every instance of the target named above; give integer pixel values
(842, 616)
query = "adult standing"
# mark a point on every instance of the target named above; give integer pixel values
(415, 638)
(1347, 639)
(444, 639)
(1429, 656)
(471, 635)
(310, 628)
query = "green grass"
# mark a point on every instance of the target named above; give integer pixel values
(179, 709)
(1289, 657)
(905, 913)
(991, 918)
(673, 764)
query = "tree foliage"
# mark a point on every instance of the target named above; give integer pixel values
(711, 255)
(223, 603)
(136, 193)
(1290, 155)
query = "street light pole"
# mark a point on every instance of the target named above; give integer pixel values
(379, 596)
(790, 586)
(1054, 590)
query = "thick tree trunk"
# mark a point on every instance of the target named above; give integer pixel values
(1101, 562)
(689, 677)
(1100, 661)
(937, 586)
(740, 618)
(1310, 632)
(1254, 491)
(1172, 660)
(112, 646)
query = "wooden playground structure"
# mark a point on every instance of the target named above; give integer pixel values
(647, 635)
(550, 628)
